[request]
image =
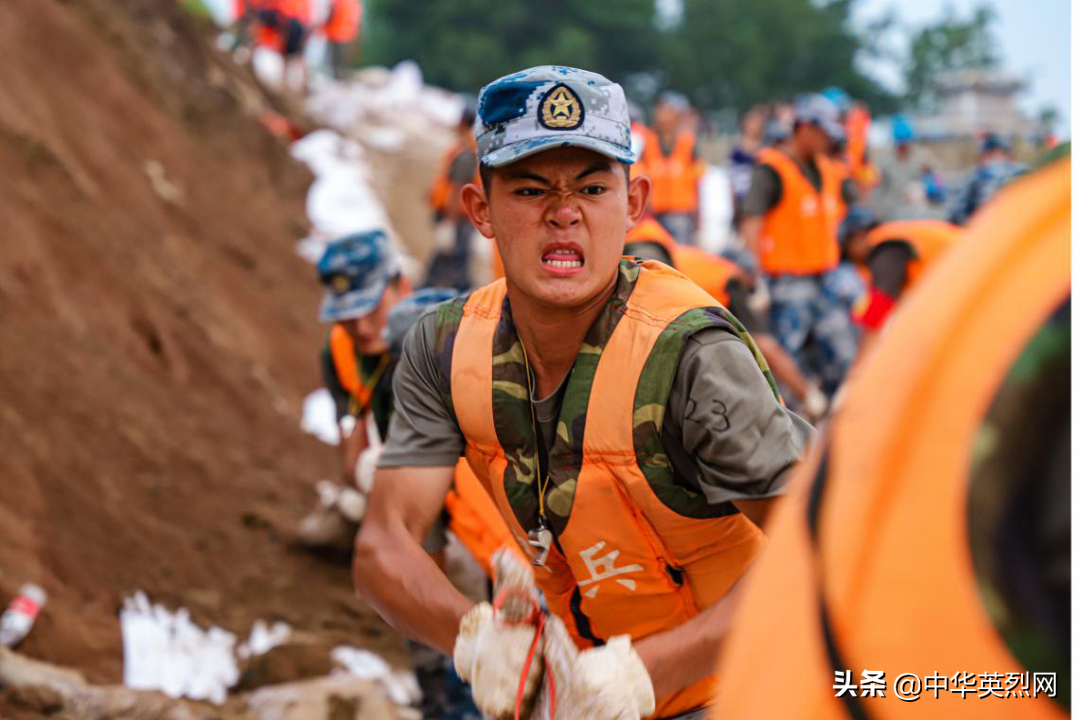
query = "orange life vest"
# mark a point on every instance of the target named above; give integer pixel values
(439, 197)
(344, 21)
(869, 565)
(798, 236)
(928, 239)
(624, 561)
(674, 177)
(343, 353)
(709, 272)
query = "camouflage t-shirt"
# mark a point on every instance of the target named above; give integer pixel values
(724, 433)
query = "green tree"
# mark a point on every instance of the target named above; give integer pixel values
(951, 44)
(732, 53)
(463, 44)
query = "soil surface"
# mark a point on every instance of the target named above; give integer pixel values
(157, 336)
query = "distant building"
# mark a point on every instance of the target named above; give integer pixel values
(972, 101)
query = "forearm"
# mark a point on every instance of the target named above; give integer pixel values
(394, 575)
(783, 365)
(750, 230)
(679, 657)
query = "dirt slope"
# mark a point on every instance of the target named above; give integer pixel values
(156, 336)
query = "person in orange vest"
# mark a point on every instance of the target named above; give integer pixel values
(857, 151)
(669, 158)
(630, 436)
(449, 266)
(893, 256)
(921, 566)
(282, 26)
(363, 281)
(639, 133)
(342, 30)
(791, 214)
(368, 301)
(743, 156)
(731, 286)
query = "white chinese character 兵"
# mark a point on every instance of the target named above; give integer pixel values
(843, 684)
(606, 564)
(991, 684)
(1045, 682)
(873, 683)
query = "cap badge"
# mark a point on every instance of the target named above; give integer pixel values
(340, 284)
(560, 109)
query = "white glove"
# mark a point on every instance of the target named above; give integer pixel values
(604, 683)
(815, 403)
(345, 500)
(365, 468)
(492, 646)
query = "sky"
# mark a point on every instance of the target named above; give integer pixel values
(1033, 36)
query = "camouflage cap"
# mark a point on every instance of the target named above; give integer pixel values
(355, 271)
(548, 107)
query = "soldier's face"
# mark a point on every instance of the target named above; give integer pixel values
(367, 332)
(559, 219)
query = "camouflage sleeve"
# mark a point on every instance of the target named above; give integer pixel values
(722, 413)
(423, 433)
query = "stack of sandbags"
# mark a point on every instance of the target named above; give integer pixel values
(403, 128)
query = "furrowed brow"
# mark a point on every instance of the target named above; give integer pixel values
(598, 167)
(526, 175)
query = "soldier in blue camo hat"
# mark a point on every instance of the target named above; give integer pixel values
(505, 375)
(361, 274)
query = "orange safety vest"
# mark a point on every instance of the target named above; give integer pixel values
(439, 197)
(270, 37)
(674, 177)
(343, 353)
(798, 236)
(709, 272)
(624, 562)
(869, 564)
(857, 128)
(344, 22)
(928, 239)
(843, 174)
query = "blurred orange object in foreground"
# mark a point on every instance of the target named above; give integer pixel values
(869, 566)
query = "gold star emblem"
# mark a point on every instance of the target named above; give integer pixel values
(340, 284)
(562, 104)
(560, 109)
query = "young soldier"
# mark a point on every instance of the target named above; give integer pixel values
(628, 433)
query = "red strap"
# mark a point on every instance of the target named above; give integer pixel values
(536, 617)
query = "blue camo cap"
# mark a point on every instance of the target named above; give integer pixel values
(355, 271)
(551, 106)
